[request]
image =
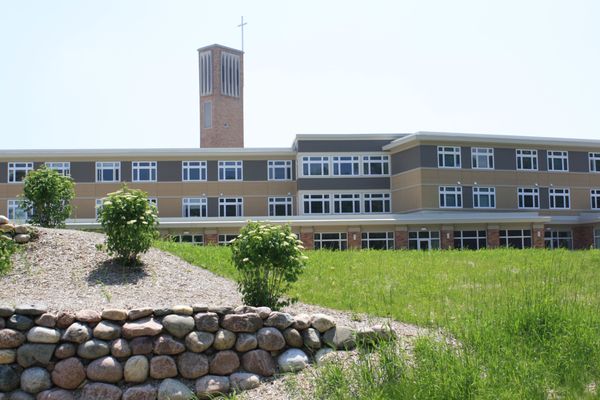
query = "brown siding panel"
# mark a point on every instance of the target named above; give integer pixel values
(316, 146)
(542, 160)
(255, 170)
(213, 206)
(465, 155)
(3, 172)
(343, 183)
(429, 156)
(83, 171)
(579, 161)
(505, 159)
(212, 170)
(406, 160)
(168, 171)
(467, 192)
(126, 171)
(544, 198)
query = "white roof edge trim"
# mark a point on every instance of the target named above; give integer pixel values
(347, 136)
(191, 152)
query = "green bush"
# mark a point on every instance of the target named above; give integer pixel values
(269, 259)
(47, 197)
(7, 248)
(129, 222)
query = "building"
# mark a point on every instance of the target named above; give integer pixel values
(421, 190)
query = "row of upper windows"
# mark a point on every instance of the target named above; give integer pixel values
(528, 198)
(347, 165)
(526, 159)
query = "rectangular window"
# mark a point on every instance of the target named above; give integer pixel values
(558, 160)
(206, 73)
(527, 160)
(450, 196)
(98, 206)
(230, 74)
(470, 240)
(558, 239)
(153, 201)
(315, 166)
(193, 171)
(529, 197)
(196, 239)
(108, 171)
(346, 203)
(316, 203)
(597, 238)
(207, 115)
(280, 206)
(376, 202)
(63, 168)
(143, 171)
(280, 170)
(15, 211)
(346, 166)
(515, 238)
(482, 157)
(332, 241)
(423, 240)
(376, 165)
(595, 197)
(17, 171)
(560, 198)
(484, 197)
(231, 207)
(378, 240)
(194, 207)
(448, 157)
(230, 170)
(225, 240)
(594, 162)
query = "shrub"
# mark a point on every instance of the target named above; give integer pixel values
(129, 222)
(269, 259)
(47, 197)
(7, 248)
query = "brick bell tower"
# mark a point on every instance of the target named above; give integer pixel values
(221, 96)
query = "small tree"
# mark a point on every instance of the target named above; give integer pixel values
(129, 221)
(7, 248)
(47, 197)
(269, 259)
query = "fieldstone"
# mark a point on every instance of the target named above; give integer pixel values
(93, 349)
(311, 338)
(65, 350)
(64, 319)
(248, 323)
(292, 360)
(178, 325)
(22, 238)
(107, 330)
(9, 339)
(224, 363)
(183, 310)
(136, 369)
(77, 333)
(105, 369)
(138, 313)
(244, 381)
(21, 395)
(263, 312)
(39, 334)
(279, 320)
(293, 338)
(19, 322)
(30, 354)
(376, 333)
(120, 348)
(114, 314)
(31, 309)
(35, 380)
(321, 355)
(245, 310)
(192, 365)
(9, 378)
(89, 316)
(55, 394)
(141, 345)
(146, 392)
(162, 367)
(68, 374)
(161, 312)
(245, 342)
(171, 389)
(259, 362)
(101, 391)
(22, 229)
(301, 322)
(208, 322)
(7, 228)
(47, 319)
(221, 310)
(6, 311)
(270, 339)
(8, 356)
(340, 338)
(199, 341)
(224, 339)
(210, 386)
(322, 322)
(4, 220)
(199, 308)
(142, 327)
(166, 345)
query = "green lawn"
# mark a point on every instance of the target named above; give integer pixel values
(528, 320)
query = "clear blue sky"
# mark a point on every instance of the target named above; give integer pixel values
(106, 73)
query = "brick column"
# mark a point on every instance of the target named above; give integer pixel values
(493, 236)
(307, 237)
(447, 237)
(537, 241)
(211, 238)
(354, 238)
(583, 236)
(401, 238)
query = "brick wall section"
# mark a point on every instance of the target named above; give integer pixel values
(401, 240)
(583, 236)
(211, 239)
(354, 239)
(308, 240)
(447, 239)
(537, 241)
(493, 238)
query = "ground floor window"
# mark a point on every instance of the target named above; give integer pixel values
(224, 240)
(333, 241)
(516, 238)
(470, 240)
(16, 212)
(189, 238)
(597, 238)
(423, 240)
(558, 239)
(378, 240)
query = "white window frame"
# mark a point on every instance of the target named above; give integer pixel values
(367, 238)
(14, 211)
(430, 238)
(594, 159)
(341, 240)
(224, 239)
(455, 191)
(308, 161)
(552, 239)
(323, 198)
(523, 192)
(139, 166)
(480, 238)
(382, 160)
(558, 155)
(114, 166)
(371, 198)
(285, 201)
(480, 154)
(207, 115)
(506, 236)
(275, 165)
(339, 199)
(527, 154)
(225, 202)
(479, 192)
(62, 167)
(97, 206)
(555, 194)
(197, 239)
(595, 199)
(188, 166)
(189, 203)
(448, 151)
(18, 166)
(338, 162)
(236, 165)
(597, 238)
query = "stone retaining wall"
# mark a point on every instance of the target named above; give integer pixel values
(168, 353)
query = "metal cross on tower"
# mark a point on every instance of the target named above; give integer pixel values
(241, 26)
